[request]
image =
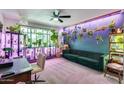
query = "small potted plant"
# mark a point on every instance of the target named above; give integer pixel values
(112, 27)
(90, 33)
(84, 29)
(7, 52)
(80, 36)
(99, 38)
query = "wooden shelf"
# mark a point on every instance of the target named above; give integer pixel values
(117, 42)
(118, 55)
(117, 51)
(116, 34)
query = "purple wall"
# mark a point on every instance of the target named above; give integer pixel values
(90, 44)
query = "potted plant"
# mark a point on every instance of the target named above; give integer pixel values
(14, 28)
(84, 29)
(74, 35)
(54, 37)
(80, 35)
(7, 52)
(68, 38)
(1, 26)
(99, 38)
(112, 26)
(90, 34)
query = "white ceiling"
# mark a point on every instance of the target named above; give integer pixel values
(42, 16)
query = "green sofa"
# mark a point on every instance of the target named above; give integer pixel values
(90, 59)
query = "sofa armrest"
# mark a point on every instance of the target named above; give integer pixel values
(101, 64)
(103, 61)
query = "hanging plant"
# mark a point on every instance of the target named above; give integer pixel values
(68, 38)
(90, 33)
(99, 38)
(80, 36)
(84, 29)
(74, 35)
(112, 26)
(74, 32)
(54, 37)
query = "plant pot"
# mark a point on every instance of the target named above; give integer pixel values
(113, 31)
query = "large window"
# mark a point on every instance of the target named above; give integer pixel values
(36, 37)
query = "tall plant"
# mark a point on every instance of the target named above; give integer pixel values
(54, 37)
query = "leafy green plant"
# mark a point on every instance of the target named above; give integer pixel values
(54, 37)
(90, 34)
(34, 43)
(99, 38)
(112, 25)
(45, 44)
(39, 42)
(120, 39)
(80, 36)
(7, 49)
(68, 38)
(14, 28)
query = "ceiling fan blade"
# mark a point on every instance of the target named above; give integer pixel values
(54, 14)
(60, 20)
(66, 16)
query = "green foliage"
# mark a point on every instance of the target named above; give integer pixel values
(54, 36)
(99, 38)
(68, 38)
(14, 28)
(112, 25)
(39, 42)
(7, 49)
(90, 34)
(45, 44)
(80, 36)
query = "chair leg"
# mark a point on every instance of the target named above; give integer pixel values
(36, 79)
(119, 78)
(105, 72)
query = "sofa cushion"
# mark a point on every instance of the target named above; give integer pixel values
(88, 59)
(81, 57)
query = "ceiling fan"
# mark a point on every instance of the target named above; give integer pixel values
(57, 17)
